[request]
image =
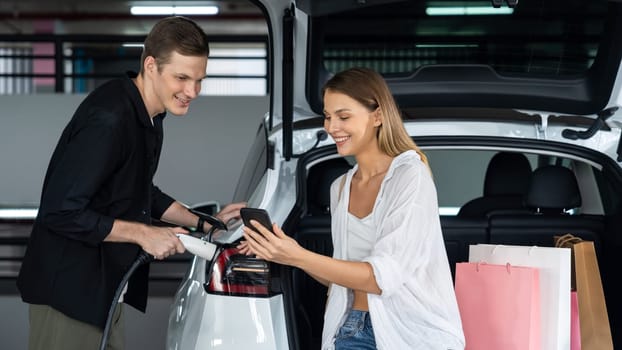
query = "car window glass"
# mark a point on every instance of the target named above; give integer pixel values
(459, 175)
(537, 37)
(608, 192)
(254, 167)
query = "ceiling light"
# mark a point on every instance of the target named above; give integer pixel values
(174, 10)
(133, 45)
(468, 10)
(427, 46)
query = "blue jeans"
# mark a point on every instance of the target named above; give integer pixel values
(356, 333)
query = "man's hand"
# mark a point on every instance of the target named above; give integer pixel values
(230, 212)
(159, 242)
(162, 242)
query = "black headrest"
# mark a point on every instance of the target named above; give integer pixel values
(320, 177)
(553, 187)
(508, 174)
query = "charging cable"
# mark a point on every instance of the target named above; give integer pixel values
(200, 247)
(143, 258)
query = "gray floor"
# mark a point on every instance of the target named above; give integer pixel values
(143, 331)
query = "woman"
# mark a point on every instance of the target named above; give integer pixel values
(389, 278)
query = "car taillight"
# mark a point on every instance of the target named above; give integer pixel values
(237, 274)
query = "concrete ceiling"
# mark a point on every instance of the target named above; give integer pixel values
(114, 17)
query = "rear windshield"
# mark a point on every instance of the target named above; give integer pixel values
(548, 38)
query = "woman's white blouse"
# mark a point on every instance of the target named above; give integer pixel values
(417, 308)
(361, 240)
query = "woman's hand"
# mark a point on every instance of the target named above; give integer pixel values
(243, 248)
(277, 247)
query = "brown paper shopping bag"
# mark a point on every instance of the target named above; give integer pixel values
(593, 318)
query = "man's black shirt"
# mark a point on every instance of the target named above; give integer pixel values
(101, 170)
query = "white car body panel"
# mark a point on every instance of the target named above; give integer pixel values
(246, 323)
(200, 320)
(603, 141)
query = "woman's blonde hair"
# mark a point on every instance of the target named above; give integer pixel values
(371, 90)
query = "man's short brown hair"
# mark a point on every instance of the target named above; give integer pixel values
(174, 34)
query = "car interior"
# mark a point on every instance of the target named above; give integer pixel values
(507, 178)
(526, 200)
(314, 233)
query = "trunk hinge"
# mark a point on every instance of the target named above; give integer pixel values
(541, 128)
(598, 124)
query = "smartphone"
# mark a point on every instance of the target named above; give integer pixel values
(257, 214)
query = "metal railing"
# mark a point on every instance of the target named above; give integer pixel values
(79, 63)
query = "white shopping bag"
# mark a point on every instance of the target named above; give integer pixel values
(554, 265)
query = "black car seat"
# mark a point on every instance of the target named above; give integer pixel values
(552, 194)
(553, 190)
(507, 178)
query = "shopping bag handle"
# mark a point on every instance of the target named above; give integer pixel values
(507, 266)
(566, 240)
(494, 249)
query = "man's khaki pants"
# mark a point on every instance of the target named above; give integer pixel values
(53, 330)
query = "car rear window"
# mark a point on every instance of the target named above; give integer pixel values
(549, 38)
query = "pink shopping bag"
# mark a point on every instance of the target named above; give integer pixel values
(575, 330)
(553, 266)
(499, 306)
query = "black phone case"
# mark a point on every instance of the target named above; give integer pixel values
(260, 215)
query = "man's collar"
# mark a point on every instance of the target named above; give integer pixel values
(138, 102)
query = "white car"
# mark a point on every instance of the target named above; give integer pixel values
(515, 107)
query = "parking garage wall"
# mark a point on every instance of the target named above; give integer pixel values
(202, 155)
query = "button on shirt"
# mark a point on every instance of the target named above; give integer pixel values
(101, 170)
(417, 308)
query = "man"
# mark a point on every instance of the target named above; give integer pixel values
(98, 197)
